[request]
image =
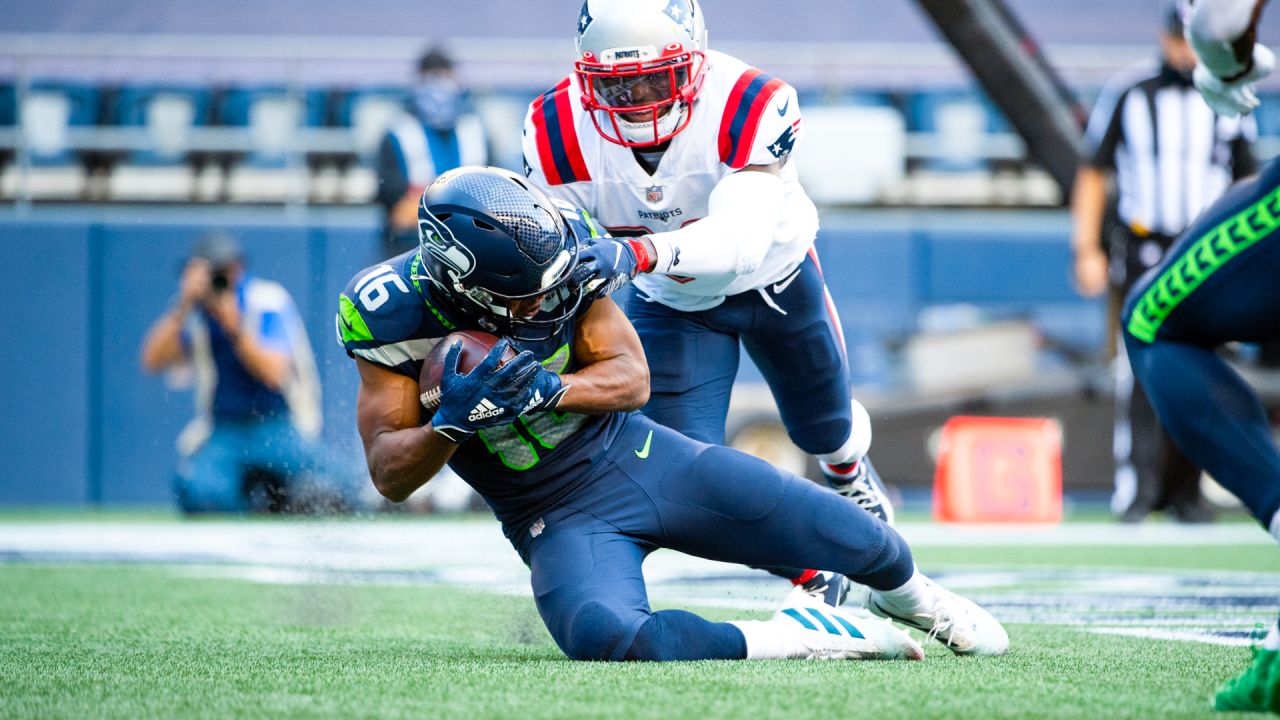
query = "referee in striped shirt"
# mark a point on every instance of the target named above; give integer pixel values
(1171, 157)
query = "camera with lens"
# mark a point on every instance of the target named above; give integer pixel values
(219, 282)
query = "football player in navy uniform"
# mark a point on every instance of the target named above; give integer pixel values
(586, 488)
(1218, 284)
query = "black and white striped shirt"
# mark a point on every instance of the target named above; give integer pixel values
(1172, 155)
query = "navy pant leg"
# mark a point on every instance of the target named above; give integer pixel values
(725, 505)
(794, 338)
(691, 368)
(1217, 284)
(589, 589)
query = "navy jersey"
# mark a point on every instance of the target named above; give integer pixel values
(389, 315)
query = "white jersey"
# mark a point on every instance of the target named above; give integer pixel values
(741, 117)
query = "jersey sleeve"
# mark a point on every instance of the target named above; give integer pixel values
(761, 121)
(272, 311)
(581, 224)
(383, 319)
(552, 152)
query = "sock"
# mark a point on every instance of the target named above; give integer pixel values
(914, 596)
(840, 474)
(804, 577)
(770, 640)
(1274, 527)
(1270, 642)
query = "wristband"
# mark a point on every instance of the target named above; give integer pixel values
(644, 263)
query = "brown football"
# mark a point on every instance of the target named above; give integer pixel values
(475, 345)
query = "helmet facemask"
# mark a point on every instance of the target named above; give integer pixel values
(534, 316)
(639, 104)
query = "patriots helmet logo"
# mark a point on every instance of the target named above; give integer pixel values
(786, 141)
(681, 12)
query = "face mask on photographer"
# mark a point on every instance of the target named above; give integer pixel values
(437, 101)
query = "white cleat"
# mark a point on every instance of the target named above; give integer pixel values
(957, 622)
(823, 632)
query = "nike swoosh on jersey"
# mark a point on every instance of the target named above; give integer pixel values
(643, 452)
(782, 111)
(782, 285)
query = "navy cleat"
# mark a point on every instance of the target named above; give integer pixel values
(859, 482)
(828, 588)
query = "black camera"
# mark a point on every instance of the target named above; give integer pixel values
(219, 282)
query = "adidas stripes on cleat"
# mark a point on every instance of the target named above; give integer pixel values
(822, 632)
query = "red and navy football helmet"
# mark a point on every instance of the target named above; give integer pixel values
(640, 66)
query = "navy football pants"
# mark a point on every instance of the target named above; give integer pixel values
(704, 500)
(1219, 283)
(789, 329)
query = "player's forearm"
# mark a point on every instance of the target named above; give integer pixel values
(401, 461)
(618, 384)
(734, 237)
(1088, 203)
(269, 367)
(162, 346)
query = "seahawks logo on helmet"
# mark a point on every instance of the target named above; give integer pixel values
(439, 242)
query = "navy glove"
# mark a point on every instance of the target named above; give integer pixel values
(545, 391)
(489, 395)
(605, 266)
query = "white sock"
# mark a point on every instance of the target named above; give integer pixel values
(770, 640)
(1272, 640)
(914, 596)
(1274, 527)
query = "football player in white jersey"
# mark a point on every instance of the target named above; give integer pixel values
(683, 154)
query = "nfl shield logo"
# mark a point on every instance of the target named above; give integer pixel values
(653, 193)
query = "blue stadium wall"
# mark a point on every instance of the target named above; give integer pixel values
(83, 425)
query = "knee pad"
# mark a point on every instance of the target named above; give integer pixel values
(857, 444)
(596, 632)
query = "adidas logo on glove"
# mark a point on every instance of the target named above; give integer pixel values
(484, 410)
(534, 402)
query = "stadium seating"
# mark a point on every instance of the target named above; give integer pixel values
(272, 119)
(163, 169)
(271, 144)
(45, 118)
(367, 112)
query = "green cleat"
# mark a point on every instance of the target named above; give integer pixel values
(1257, 689)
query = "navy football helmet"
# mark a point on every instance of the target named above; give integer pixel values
(496, 249)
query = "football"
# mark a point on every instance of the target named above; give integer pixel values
(475, 345)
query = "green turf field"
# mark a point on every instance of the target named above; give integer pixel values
(141, 640)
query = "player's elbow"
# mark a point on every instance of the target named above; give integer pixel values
(390, 490)
(639, 390)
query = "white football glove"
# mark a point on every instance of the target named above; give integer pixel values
(1236, 97)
